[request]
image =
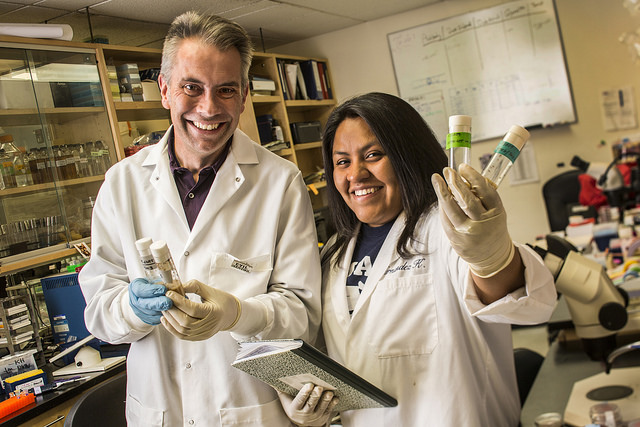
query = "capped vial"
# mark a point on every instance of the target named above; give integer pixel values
(505, 154)
(166, 266)
(146, 259)
(459, 140)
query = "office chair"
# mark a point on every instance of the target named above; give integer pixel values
(560, 192)
(528, 364)
(101, 406)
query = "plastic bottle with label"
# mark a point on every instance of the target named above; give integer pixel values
(505, 154)
(458, 143)
(146, 259)
(167, 268)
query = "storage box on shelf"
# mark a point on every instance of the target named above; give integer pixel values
(18, 324)
(56, 146)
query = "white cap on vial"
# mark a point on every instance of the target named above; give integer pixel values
(517, 136)
(160, 251)
(144, 243)
(459, 123)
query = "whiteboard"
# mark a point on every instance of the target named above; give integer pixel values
(502, 66)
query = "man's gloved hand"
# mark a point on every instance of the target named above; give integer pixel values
(474, 220)
(310, 407)
(196, 321)
(148, 300)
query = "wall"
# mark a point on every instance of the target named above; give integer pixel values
(360, 62)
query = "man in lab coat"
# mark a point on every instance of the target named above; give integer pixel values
(239, 224)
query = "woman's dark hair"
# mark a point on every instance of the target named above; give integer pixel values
(413, 150)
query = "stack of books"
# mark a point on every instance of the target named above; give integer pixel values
(129, 83)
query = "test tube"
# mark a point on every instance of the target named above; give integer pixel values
(505, 154)
(459, 140)
(166, 266)
(149, 265)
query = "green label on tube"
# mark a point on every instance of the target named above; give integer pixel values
(458, 139)
(508, 150)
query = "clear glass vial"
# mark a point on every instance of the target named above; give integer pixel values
(458, 143)
(505, 154)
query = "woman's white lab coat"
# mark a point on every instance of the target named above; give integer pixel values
(258, 212)
(420, 333)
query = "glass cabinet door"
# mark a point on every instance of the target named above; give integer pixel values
(55, 146)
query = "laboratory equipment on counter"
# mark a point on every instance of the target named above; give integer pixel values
(597, 306)
(505, 154)
(166, 266)
(458, 142)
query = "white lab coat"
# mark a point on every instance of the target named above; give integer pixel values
(258, 211)
(419, 332)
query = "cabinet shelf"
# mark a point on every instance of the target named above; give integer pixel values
(50, 185)
(308, 145)
(144, 110)
(30, 116)
(265, 99)
(304, 104)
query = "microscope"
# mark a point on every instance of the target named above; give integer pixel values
(598, 308)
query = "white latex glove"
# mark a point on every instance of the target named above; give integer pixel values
(195, 321)
(312, 406)
(474, 220)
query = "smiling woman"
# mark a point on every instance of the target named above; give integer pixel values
(421, 276)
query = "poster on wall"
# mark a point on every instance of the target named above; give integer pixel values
(502, 66)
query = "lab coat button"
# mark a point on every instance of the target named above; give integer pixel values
(186, 253)
(191, 422)
(188, 366)
(191, 196)
(237, 179)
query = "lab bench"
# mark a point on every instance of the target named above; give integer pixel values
(55, 405)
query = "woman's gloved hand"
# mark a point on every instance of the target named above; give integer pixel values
(474, 220)
(310, 407)
(148, 300)
(196, 321)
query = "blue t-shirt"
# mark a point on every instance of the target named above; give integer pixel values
(367, 247)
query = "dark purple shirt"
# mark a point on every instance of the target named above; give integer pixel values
(192, 193)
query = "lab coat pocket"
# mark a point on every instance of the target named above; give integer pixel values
(242, 277)
(403, 317)
(138, 415)
(268, 414)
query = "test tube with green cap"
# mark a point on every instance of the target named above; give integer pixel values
(505, 154)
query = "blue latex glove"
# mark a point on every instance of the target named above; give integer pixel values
(148, 300)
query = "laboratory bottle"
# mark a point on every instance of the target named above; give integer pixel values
(97, 164)
(7, 152)
(21, 170)
(60, 163)
(146, 259)
(104, 155)
(505, 154)
(70, 167)
(36, 175)
(84, 166)
(167, 268)
(458, 142)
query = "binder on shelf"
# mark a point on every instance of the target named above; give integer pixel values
(302, 84)
(323, 80)
(283, 79)
(291, 71)
(311, 78)
(288, 364)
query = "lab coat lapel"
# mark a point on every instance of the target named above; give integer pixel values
(338, 291)
(162, 179)
(386, 256)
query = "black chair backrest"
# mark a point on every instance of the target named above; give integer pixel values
(559, 193)
(101, 406)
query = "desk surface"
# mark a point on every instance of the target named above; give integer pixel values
(561, 368)
(52, 399)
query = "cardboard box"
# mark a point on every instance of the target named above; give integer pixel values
(25, 381)
(151, 91)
